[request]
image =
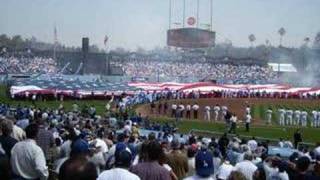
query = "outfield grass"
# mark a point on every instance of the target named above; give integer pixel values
(310, 135)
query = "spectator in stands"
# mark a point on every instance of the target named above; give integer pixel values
(246, 167)
(45, 138)
(78, 168)
(224, 170)
(302, 169)
(149, 167)
(28, 152)
(5, 168)
(204, 166)
(7, 142)
(120, 172)
(177, 160)
(236, 175)
(191, 152)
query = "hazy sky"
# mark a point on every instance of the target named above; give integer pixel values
(133, 23)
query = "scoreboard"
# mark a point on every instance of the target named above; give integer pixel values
(190, 38)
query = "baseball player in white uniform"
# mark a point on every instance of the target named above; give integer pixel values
(289, 114)
(195, 109)
(224, 110)
(314, 118)
(248, 109)
(281, 117)
(304, 118)
(216, 110)
(207, 113)
(269, 116)
(318, 120)
(297, 114)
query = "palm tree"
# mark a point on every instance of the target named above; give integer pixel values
(281, 32)
(252, 38)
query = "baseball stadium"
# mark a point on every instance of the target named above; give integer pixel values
(173, 89)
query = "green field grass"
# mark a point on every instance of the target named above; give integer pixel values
(99, 104)
(311, 135)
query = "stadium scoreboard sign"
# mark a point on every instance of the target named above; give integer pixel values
(190, 38)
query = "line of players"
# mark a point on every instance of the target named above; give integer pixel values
(216, 113)
(189, 111)
(288, 117)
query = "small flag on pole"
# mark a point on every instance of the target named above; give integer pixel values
(106, 38)
(55, 34)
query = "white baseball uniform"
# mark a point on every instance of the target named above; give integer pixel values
(281, 117)
(269, 116)
(297, 114)
(216, 112)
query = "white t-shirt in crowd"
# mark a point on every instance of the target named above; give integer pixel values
(224, 170)
(317, 151)
(247, 168)
(191, 164)
(117, 174)
(102, 144)
(252, 144)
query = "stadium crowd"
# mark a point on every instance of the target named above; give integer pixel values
(27, 64)
(42, 143)
(223, 73)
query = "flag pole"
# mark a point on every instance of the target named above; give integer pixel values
(170, 6)
(211, 9)
(198, 4)
(184, 13)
